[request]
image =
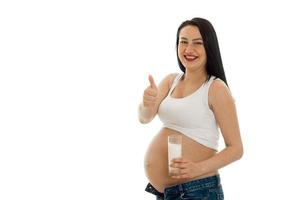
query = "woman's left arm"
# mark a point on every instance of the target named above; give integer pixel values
(222, 104)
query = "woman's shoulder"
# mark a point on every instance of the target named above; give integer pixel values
(219, 91)
(218, 84)
(166, 84)
(169, 78)
(172, 75)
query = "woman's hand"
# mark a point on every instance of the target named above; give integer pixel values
(186, 168)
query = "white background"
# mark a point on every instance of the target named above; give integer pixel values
(72, 74)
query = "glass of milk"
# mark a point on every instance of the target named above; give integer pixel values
(174, 151)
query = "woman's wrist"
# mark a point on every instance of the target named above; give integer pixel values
(202, 168)
(145, 113)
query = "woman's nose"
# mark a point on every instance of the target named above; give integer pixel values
(189, 48)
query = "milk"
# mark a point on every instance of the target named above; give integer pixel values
(174, 151)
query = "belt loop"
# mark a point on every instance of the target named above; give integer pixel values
(218, 180)
(181, 190)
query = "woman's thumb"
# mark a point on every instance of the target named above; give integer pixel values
(152, 83)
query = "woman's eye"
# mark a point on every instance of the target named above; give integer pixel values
(198, 43)
(183, 42)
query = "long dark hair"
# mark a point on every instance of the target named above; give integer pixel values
(214, 66)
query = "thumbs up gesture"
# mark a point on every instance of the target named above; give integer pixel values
(150, 94)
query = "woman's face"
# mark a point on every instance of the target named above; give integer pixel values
(191, 50)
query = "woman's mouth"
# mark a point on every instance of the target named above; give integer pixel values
(190, 58)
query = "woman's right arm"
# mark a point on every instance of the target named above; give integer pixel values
(153, 96)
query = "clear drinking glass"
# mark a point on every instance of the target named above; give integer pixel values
(174, 151)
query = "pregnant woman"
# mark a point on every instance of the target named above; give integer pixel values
(194, 104)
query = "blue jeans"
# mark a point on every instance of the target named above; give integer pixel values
(209, 188)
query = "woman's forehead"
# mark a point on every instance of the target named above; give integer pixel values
(190, 31)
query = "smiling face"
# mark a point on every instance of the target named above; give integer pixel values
(190, 49)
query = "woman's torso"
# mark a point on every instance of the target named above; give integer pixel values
(156, 159)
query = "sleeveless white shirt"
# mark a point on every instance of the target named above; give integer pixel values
(191, 115)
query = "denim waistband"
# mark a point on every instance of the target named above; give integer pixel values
(204, 183)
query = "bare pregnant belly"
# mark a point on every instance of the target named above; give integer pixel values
(156, 159)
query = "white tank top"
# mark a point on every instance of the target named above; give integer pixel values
(191, 115)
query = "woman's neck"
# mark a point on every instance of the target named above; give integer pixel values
(194, 77)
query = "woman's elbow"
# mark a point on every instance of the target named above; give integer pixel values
(236, 150)
(239, 152)
(144, 121)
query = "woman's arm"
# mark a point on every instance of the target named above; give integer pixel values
(146, 114)
(222, 104)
